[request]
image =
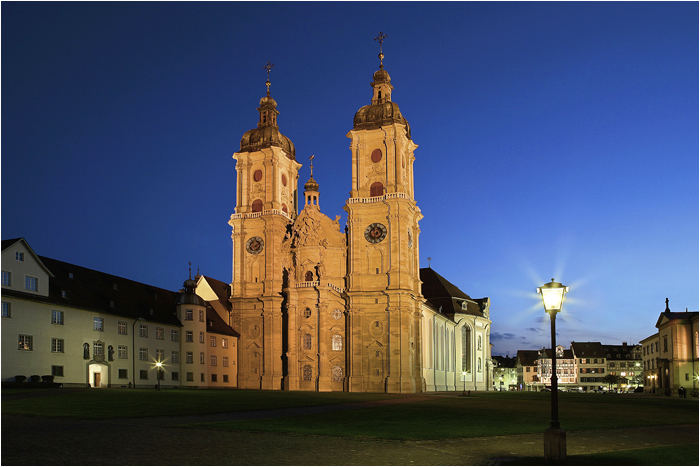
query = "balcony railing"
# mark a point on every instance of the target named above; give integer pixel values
(377, 199)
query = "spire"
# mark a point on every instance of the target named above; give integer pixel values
(380, 38)
(268, 67)
(311, 194)
(381, 81)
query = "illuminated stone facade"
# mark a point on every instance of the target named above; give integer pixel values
(319, 307)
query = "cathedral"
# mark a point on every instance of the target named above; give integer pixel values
(325, 307)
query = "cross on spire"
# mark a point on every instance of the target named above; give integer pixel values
(268, 67)
(380, 38)
(189, 269)
(429, 260)
(311, 164)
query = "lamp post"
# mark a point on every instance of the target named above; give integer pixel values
(159, 368)
(554, 437)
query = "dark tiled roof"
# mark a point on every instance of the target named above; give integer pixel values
(222, 290)
(588, 349)
(9, 242)
(527, 357)
(546, 353)
(504, 362)
(446, 297)
(619, 352)
(94, 290)
(217, 325)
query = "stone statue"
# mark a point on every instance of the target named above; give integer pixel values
(86, 351)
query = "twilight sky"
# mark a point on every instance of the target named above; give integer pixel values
(555, 140)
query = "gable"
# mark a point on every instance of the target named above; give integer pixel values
(27, 273)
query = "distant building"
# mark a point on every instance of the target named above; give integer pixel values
(590, 358)
(89, 328)
(625, 362)
(505, 373)
(566, 368)
(526, 368)
(671, 355)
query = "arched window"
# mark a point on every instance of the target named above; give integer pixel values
(464, 305)
(376, 189)
(284, 209)
(478, 365)
(337, 343)
(466, 334)
(478, 343)
(307, 372)
(257, 205)
(309, 276)
(307, 341)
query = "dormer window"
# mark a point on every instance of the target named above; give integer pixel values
(70, 275)
(19, 256)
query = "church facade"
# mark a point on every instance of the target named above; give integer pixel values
(326, 308)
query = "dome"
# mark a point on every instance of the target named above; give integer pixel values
(188, 296)
(265, 137)
(311, 185)
(267, 100)
(381, 76)
(376, 115)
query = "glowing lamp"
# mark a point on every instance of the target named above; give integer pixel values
(552, 295)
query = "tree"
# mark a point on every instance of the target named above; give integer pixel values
(611, 379)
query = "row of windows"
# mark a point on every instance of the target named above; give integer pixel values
(212, 342)
(31, 283)
(649, 349)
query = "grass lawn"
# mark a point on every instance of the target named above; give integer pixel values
(118, 403)
(684, 454)
(484, 414)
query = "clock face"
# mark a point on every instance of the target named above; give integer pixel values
(254, 245)
(375, 233)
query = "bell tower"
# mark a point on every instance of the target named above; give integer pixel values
(384, 288)
(266, 203)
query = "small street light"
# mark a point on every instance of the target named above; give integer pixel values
(159, 369)
(554, 437)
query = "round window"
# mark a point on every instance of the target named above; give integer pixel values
(376, 155)
(257, 175)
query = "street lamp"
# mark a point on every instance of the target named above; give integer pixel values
(159, 369)
(554, 437)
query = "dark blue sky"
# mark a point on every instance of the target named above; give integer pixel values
(554, 140)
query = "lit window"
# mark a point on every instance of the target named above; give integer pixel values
(56, 345)
(6, 278)
(98, 350)
(98, 324)
(188, 336)
(337, 343)
(143, 330)
(6, 310)
(212, 341)
(121, 327)
(173, 335)
(224, 361)
(56, 317)
(212, 360)
(174, 357)
(25, 342)
(159, 334)
(188, 315)
(189, 358)
(122, 351)
(31, 283)
(224, 343)
(143, 354)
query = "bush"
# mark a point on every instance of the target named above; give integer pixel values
(34, 379)
(20, 379)
(47, 379)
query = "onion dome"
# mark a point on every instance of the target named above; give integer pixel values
(187, 294)
(267, 133)
(311, 185)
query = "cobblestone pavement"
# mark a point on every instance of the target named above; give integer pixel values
(163, 440)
